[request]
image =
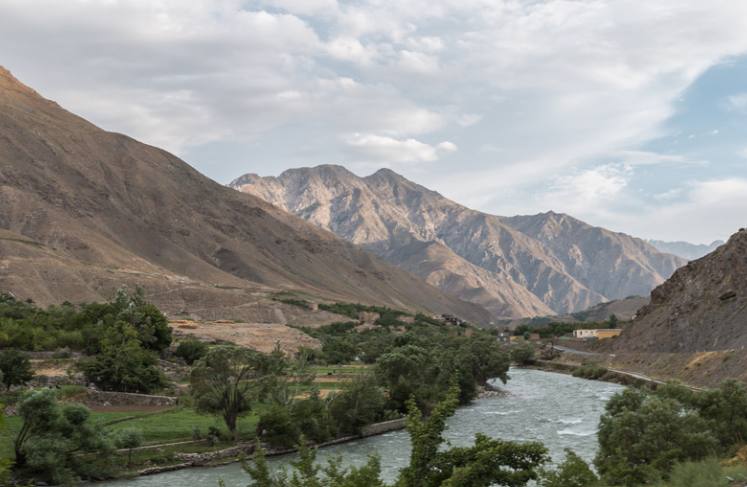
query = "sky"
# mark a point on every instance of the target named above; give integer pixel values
(629, 115)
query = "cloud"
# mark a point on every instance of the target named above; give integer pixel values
(704, 212)
(386, 150)
(737, 102)
(615, 75)
(535, 94)
(468, 119)
(669, 195)
(643, 158)
(590, 188)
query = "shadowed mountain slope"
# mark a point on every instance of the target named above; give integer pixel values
(520, 266)
(702, 307)
(81, 207)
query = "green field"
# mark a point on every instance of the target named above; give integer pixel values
(177, 424)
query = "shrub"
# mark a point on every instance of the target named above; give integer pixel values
(523, 354)
(590, 371)
(191, 350)
(573, 472)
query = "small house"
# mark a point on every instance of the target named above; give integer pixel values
(585, 334)
(503, 337)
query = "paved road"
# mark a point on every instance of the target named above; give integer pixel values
(570, 350)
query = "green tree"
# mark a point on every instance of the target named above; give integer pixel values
(122, 364)
(15, 368)
(654, 432)
(488, 462)
(54, 440)
(222, 383)
(360, 403)
(402, 372)
(339, 352)
(573, 472)
(129, 438)
(297, 407)
(283, 380)
(724, 408)
(522, 354)
(306, 471)
(191, 350)
(484, 359)
(5, 463)
(123, 299)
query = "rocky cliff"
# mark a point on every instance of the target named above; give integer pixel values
(702, 307)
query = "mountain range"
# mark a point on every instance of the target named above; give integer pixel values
(83, 211)
(544, 264)
(685, 249)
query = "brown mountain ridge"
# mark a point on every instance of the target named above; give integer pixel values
(545, 264)
(83, 210)
(701, 308)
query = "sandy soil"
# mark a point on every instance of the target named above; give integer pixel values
(258, 336)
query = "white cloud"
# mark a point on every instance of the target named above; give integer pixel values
(738, 102)
(468, 119)
(590, 188)
(307, 7)
(642, 158)
(669, 195)
(703, 213)
(386, 150)
(532, 92)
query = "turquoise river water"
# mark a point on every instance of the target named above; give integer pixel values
(559, 410)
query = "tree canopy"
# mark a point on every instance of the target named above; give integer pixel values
(221, 384)
(53, 437)
(15, 368)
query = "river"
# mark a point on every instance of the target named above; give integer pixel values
(559, 410)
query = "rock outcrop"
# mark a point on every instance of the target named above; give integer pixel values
(702, 307)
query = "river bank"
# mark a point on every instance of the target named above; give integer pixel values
(559, 410)
(615, 376)
(230, 455)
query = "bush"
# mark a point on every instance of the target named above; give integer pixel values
(590, 371)
(191, 350)
(15, 367)
(705, 473)
(573, 472)
(523, 354)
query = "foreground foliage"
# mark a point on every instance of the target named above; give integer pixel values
(488, 462)
(54, 439)
(644, 434)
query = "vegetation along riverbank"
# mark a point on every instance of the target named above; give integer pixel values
(226, 394)
(228, 399)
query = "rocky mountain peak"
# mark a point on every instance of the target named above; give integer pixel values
(520, 266)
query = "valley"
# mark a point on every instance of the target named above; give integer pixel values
(290, 279)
